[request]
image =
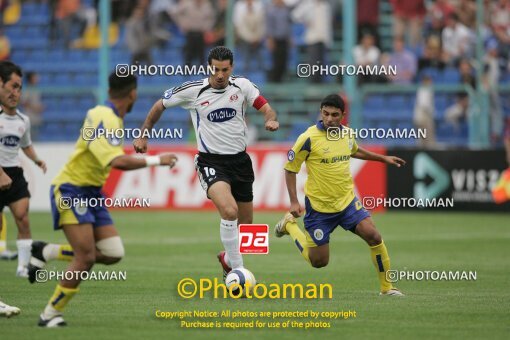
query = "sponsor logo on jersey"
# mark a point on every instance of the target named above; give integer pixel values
(221, 115)
(10, 141)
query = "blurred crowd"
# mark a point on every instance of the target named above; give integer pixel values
(429, 36)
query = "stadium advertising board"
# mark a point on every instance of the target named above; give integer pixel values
(180, 188)
(465, 176)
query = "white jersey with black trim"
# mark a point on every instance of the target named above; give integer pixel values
(14, 134)
(217, 114)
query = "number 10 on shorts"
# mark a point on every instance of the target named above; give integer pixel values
(254, 238)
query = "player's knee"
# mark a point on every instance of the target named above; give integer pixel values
(374, 239)
(319, 262)
(111, 248)
(229, 213)
(21, 219)
(85, 259)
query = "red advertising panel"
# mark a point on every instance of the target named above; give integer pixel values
(179, 188)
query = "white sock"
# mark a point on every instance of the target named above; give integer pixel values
(3, 245)
(24, 252)
(50, 312)
(230, 239)
(50, 251)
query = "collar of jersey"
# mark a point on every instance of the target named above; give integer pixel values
(321, 127)
(111, 106)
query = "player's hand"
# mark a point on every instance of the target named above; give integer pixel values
(168, 159)
(5, 181)
(41, 164)
(140, 145)
(393, 160)
(272, 125)
(295, 209)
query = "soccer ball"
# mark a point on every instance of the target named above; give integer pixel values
(240, 278)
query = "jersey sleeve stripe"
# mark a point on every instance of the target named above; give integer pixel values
(179, 89)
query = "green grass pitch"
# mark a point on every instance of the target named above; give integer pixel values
(164, 247)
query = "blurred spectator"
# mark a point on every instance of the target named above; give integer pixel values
(457, 39)
(368, 18)
(138, 37)
(70, 17)
(316, 15)
(466, 10)
(466, 73)
(250, 24)
(424, 109)
(5, 46)
(121, 9)
(500, 24)
(216, 36)
(194, 18)
(279, 30)
(408, 17)
(159, 13)
(433, 56)
(404, 61)
(457, 113)
(491, 84)
(3, 6)
(32, 103)
(438, 12)
(366, 53)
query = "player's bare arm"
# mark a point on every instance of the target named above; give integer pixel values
(271, 122)
(29, 151)
(5, 180)
(295, 208)
(140, 144)
(372, 156)
(127, 162)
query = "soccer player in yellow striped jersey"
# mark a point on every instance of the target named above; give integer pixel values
(330, 200)
(89, 229)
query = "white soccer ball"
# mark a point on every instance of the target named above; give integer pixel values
(238, 279)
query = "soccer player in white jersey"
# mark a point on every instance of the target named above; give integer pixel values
(15, 134)
(217, 105)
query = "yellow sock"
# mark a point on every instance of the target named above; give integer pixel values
(299, 238)
(61, 297)
(65, 253)
(3, 234)
(381, 261)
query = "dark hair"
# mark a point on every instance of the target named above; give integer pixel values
(333, 100)
(453, 16)
(7, 68)
(220, 53)
(121, 86)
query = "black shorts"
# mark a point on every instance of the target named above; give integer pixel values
(18, 189)
(235, 169)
